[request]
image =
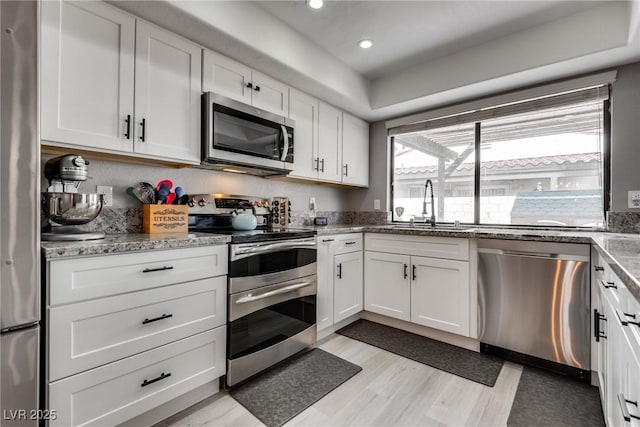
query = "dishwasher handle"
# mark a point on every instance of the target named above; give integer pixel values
(527, 254)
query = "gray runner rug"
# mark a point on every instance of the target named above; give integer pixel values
(547, 399)
(481, 368)
(288, 389)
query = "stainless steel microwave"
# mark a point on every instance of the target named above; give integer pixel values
(240, 138)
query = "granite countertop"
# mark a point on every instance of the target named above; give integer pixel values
(114, 243)
(622, 250)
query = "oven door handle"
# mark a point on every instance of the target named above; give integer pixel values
(273, 247)
(251, 298)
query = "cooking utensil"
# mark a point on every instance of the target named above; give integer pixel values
(166, 182)
(145, 193)
(184, 199)
(162, 193)
(179, 191)
(171, 197)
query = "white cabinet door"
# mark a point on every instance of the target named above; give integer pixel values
(324, 299)
(631, 384)
(347, 285)
(87, 74)
(167, 92)
(387, 288)
(303, 109)
(330, 143)
(269, 94)
(614, 366)
(440, 294)
(355, 151)
(226, 77)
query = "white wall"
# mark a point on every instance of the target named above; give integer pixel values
(194, 181)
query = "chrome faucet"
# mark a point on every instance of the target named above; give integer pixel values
(432, 219)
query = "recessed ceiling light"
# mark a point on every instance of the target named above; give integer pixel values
(365, 44)
(315, 4)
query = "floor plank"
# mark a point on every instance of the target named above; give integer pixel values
(390, 390)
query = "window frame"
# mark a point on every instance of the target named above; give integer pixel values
(606, 176)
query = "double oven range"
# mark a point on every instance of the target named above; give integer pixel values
(272, 286)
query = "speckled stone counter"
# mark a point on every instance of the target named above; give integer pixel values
(116, 243)
(622, 252)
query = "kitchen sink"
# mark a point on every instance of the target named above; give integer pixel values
(422, 226)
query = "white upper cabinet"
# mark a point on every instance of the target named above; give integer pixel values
(303, 109)
(355, 151)
(167, 93)
(329, 143)
(87, 68)
(89, 86)
(224, 76)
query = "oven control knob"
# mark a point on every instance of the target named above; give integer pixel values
(202, 202)
(191, 203)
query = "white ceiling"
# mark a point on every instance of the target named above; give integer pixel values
(408, 33)
(426, 54)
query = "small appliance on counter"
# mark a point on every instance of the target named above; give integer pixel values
(63, 206)
(281, 211)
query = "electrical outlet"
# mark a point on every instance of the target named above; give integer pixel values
(107, 194)
(312, 203)
(634, 199)
(376, 204)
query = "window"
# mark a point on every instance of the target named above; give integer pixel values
(537, 163)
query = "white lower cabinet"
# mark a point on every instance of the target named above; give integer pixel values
(429, 291)
(387, 286)
(119, 391)
(340, 278)
(115, 354)
(616, 335)
(347, 286)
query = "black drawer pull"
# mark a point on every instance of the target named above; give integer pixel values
(155, 380)
(597, 333)
(249, 85)
(327, 240)
(257, 88)
(623, 407)
(624, 322)
(151, 270)
(350, 243)
(340, 271)
(406, 273)
(143, 127)
(414, 272)
(155, 319)
(608, 285)
(599, 268)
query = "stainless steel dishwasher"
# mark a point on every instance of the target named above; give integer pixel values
(534, 302)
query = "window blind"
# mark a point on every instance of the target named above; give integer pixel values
(594, 87)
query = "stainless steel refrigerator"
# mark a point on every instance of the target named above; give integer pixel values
(19, 214)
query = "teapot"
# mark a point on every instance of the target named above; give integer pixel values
(244, 220)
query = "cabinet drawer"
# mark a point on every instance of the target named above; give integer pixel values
(426, 246)
(92, 333)
(79, 279)
(346, 243)
(117, 392)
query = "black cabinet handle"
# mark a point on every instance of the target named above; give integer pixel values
(322, 167)
(249, 85)
(350, 243)
(143, 127)
(413, 267)
(340, 271)
(317, 163)
(155, 319)
(346, 170)
(599, 268)
(151, 270)
(608, 285)
(623, 319)
(623, 407)
(597, 333)
(155, 380)
(257, 88)
(328, 240)
(406, 273)
(128, 133)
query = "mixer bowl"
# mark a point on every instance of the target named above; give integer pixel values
(71, 208)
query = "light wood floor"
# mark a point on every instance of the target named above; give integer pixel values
(389, 391)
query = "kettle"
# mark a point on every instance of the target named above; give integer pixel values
(245, 220)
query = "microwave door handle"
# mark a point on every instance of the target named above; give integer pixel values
(285, 143)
